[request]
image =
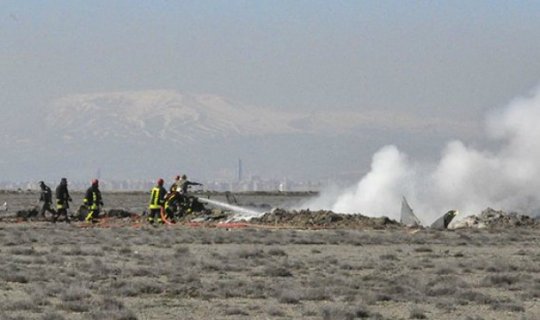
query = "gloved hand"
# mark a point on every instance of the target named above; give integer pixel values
(101, 203)
(69, 199)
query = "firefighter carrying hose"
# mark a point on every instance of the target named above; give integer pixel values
(93, 201)
(157, 201)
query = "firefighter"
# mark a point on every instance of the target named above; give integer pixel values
(173, 205)
(93, 201)
(46, 197)
(184, 183)
(175, 186)
(62, 200)
(185, 200)
(173, 199)
(157, 202)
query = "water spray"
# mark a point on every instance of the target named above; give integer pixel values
(240, 212)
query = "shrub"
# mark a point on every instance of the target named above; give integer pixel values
(52, 316)
(442, 290)
(444, 271)
(188, 285)
(250, 253)
(23, 251)
(289, 296)
(473, 296)
(233, 311)
(507, 306)
(125, 251)
(24, 304)
(275, 311)
(340, 312)
(417, 313)
(181, 251)
(277, 271)
(316, 294)
(74, 293)
(502, 280)
(15, 277)
(391, 257)
(112, 309)
(277, 252)
(39, 297)
(136, 287)
(76, 306)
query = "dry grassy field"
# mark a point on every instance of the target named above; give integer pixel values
(69, 271)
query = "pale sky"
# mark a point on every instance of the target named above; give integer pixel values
(447, 59)
(422, 56)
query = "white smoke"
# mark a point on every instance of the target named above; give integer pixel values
(465, 178)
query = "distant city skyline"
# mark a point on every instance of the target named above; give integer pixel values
(252, 184)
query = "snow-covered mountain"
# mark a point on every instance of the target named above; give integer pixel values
(180, 117)
(129, 134)
(161, 114)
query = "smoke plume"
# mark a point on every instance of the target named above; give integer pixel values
(465, 178)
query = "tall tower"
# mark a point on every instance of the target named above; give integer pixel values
(239, 170)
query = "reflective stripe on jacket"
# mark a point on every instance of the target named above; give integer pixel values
(157, 198)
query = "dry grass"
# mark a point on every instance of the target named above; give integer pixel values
(67, 272)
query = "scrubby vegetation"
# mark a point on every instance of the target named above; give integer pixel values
(67, 272)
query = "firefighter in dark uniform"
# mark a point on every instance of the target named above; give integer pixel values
(62, 200)
(157, 201)
(185, 199)
(93, 201)
(46, 197)
(183, 185)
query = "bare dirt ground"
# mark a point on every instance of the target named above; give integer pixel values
(135, 271)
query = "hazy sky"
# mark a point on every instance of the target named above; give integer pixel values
(447, 58)
(438, 59)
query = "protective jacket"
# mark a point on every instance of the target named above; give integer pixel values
(46, 194)
(157, 197)
(92, 198)
(183, 185)
(174, 186)
(62, 196)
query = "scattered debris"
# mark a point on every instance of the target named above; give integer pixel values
(491, 218)
(27, 214)
(119, 213)
(214, 215)
(408, 218)
(444, 221)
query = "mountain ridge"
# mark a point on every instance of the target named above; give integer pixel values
(181, 117)
(161, 114)
(134, 133)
